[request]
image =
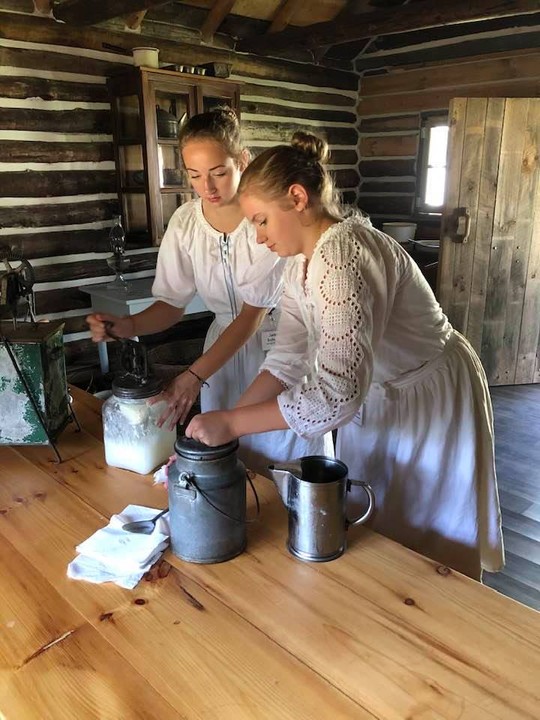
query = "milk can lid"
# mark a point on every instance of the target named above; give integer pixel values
(194, 450)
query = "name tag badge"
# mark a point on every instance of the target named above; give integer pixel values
(268, 339)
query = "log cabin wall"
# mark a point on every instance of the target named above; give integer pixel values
(57, 173)
(390, 109)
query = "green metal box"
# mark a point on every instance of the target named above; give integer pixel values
(39, 353)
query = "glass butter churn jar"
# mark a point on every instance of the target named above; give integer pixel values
(132, 439)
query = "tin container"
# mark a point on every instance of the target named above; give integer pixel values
(207, 502)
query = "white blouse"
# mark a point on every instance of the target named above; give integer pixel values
(364, 313)
(225, 269)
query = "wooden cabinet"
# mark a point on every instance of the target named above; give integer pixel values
(148, 107)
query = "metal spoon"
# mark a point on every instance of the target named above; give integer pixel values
(144, 527)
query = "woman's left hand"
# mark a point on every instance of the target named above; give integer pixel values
(211, 428)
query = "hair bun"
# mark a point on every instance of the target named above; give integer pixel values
(226, 112)
(313, 147)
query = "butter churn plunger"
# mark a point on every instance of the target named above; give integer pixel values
(132, 439)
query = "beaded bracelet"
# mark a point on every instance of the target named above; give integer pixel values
(199, 378)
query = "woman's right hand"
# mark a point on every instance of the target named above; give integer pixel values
(120, 327)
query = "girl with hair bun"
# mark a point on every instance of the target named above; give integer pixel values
(211, 249)
(363, 346)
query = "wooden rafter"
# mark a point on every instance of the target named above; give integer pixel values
(284, 15)
(134, 21)
(83, 12)
(415, 16)
(43, 7)
(218, 13)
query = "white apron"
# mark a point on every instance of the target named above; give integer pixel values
(425, 444)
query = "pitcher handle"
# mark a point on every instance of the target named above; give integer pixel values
(371, 507)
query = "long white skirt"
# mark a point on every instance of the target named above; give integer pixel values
(425, 444)
(225, 388)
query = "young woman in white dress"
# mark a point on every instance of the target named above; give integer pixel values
(364, 346)
(210, 248)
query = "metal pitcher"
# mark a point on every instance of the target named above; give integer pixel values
(207, 502)
(314, 490)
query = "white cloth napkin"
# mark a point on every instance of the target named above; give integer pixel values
(114, 555)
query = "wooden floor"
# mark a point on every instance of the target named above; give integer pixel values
(517, 452)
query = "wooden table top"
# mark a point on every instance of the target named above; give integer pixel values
(379, 633)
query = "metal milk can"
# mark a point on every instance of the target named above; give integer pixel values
(207, 502)
(314, 489)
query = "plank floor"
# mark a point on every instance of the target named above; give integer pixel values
(517, 453)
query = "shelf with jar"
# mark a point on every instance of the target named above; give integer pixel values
(149, 106)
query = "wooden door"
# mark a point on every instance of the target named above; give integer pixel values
(489, 280)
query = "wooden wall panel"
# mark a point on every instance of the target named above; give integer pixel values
(51, 244)
(56, 214)
(58, 196)
(439, 99)
(31, 183)
(22, 87)
(24, 151)
(389, 145)
(94, 122)
(477, 72)
(391, 105)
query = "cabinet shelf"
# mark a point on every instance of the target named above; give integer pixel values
(176, 189)
(129, 141)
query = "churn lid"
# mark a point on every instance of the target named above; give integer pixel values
(194, 450)
(129, 387)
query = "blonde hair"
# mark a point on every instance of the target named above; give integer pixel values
(219, 124)
(302, 162)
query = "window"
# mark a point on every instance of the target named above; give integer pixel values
(432, 163)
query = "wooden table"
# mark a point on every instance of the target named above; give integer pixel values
(379, 633)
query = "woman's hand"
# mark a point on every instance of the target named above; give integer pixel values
(119, 327)
(179, 395)
(211, 428)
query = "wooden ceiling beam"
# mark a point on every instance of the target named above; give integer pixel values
(218, 13)
(43, 7)
(28, 28)
(414, 16)
(133, 21)
(284, 15)
(83, 12)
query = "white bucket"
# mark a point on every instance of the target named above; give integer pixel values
(145, 56)
(403, 232)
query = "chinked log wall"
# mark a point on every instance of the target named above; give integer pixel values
(390, 110)
(57, 174)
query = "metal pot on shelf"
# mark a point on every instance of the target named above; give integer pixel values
(168, 125)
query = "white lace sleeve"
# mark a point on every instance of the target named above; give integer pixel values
(343, 303)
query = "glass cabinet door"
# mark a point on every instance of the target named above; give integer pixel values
(211, 96)
(130, 139)
(172, 108)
